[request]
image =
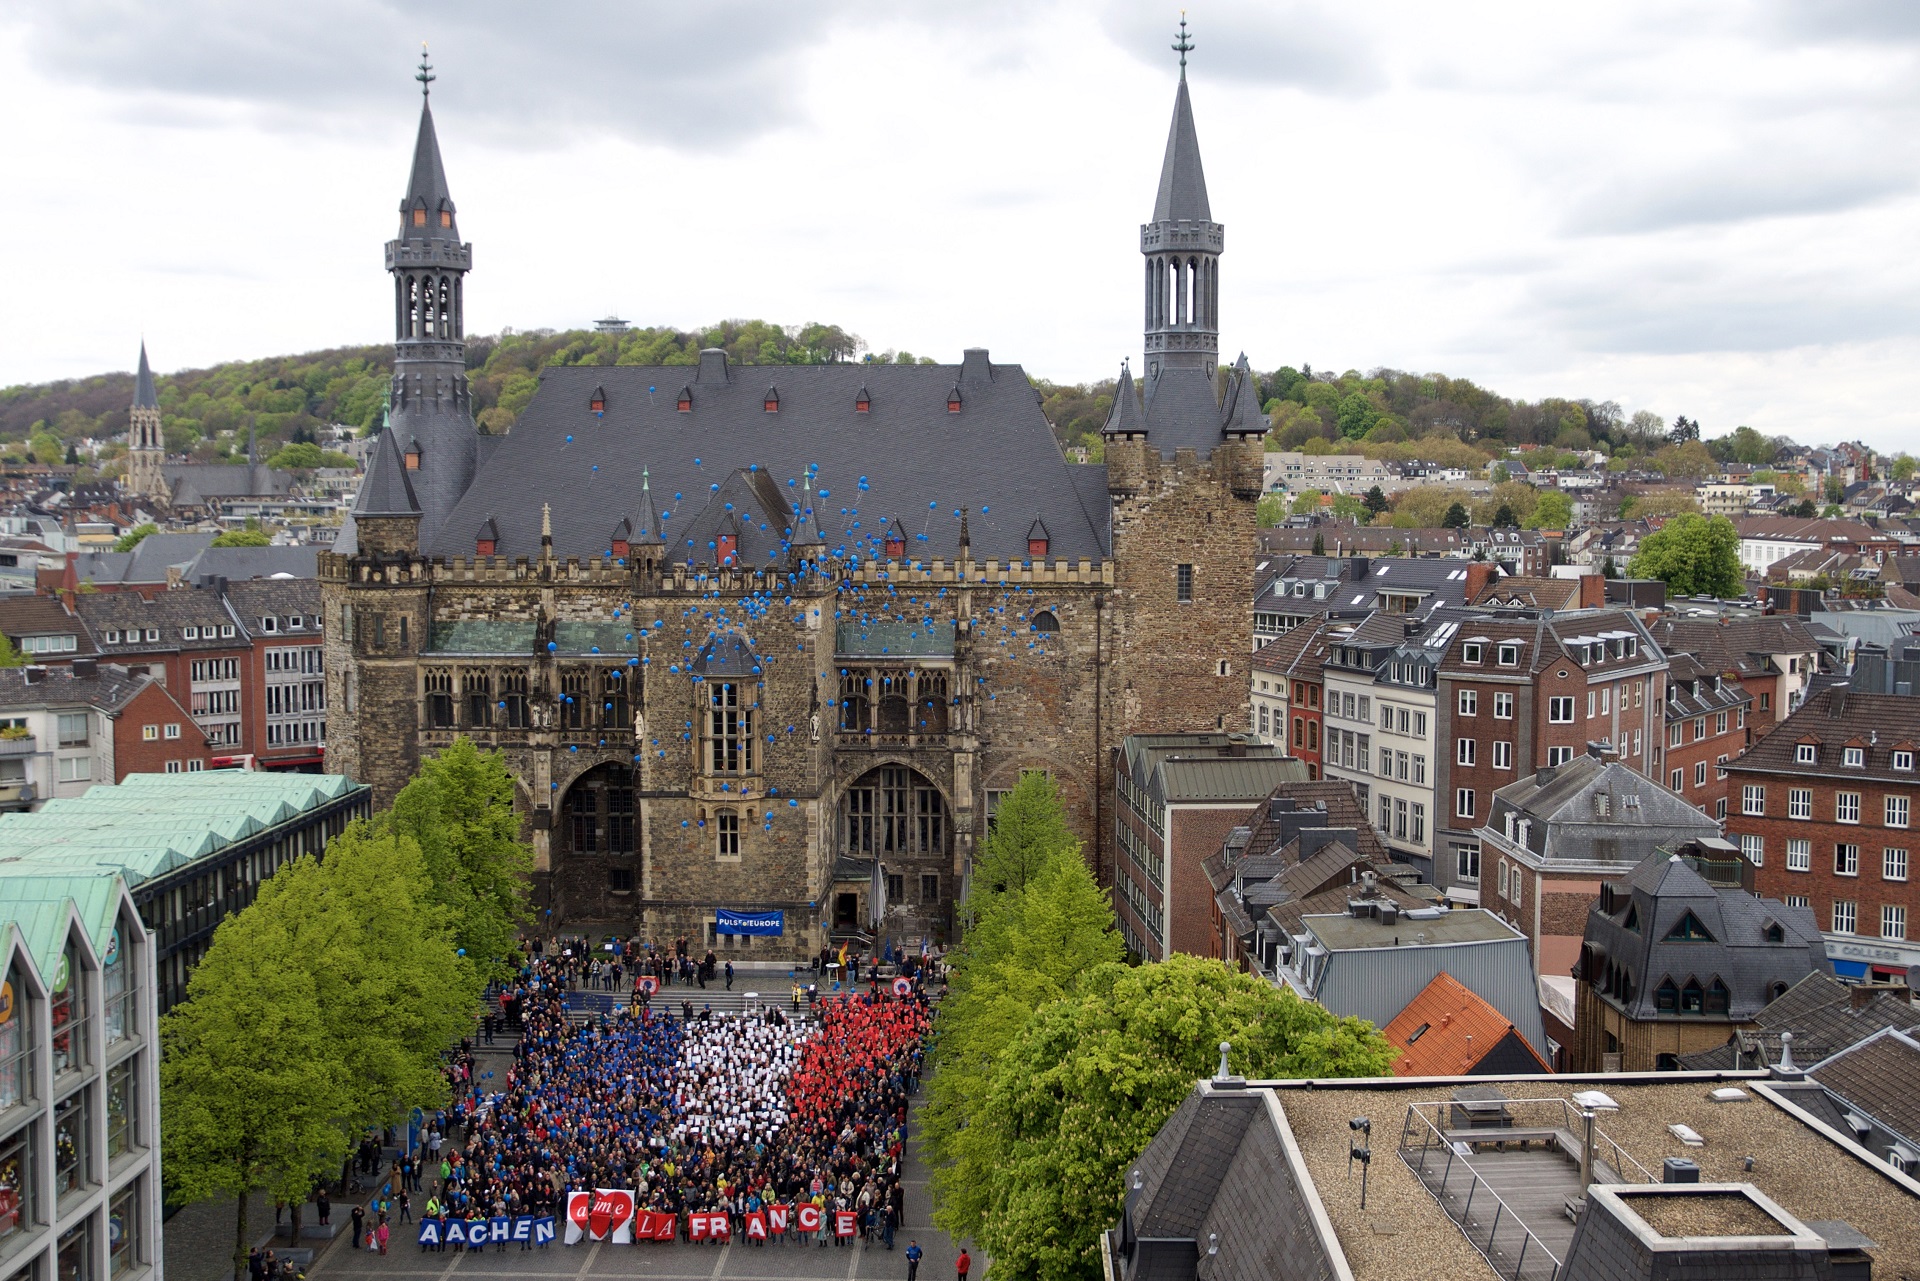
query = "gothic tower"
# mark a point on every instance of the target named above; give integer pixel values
(431, 412)
(1183, 475)
(146, 447)
(1182, 246)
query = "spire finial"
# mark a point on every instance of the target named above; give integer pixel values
(644, 485)
(426, 77)
(1181, 46)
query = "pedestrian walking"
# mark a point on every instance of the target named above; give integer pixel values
(406, 1206)
(913, 1260)
(963, 1264)
(359, 1225)
(729, 976)
(381, 1233)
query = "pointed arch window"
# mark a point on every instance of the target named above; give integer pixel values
(1688, 929)
(1692, 997)
(953, 401)
(771, 402)
(862, 402)
(685, 403)
(1718, 998)
(1666, 997)
(419, 215)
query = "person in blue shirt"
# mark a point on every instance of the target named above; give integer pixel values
(913, 1259)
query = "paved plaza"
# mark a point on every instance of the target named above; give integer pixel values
(679, 1261)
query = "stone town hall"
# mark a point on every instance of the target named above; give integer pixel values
(768, 639)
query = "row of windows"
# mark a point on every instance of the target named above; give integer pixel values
(1506, 654)
(1348, 749)
(1676, 731)
(1349, 706)
(1502, 704)
(289, 700)
(215, 669)
(1403, 820)
(1407, 767)
(291, 734)
(1402, 720)
(216, 702)
(305, 659)
(192, 767)
(1896, 811)
(1845, 919)
(1846, 857)
(1850, 757)
(48, 644)
(151, 733)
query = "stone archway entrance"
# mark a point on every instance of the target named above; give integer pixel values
(597, 816)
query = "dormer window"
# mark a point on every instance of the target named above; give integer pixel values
(685, 403)
(953, 401)
(269, 624)
(413, 456)
(724, 547)
(1806, 754)
(487, 541)
(771, 402)
(420, 216)
(598, 402)
(1903, 761)
(446, 217)
(1854, 757)
(896, 545)
(622, 540)
(1509, 655)
(1473, 652)
(862, 402)
(1037, 541)
(190, 633)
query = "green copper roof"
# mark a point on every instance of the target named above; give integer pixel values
(152, 824)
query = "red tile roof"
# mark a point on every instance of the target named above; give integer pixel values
(1447, 1029)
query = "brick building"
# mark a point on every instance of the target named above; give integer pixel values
(1707, 726)
(1287, 686)
(42, 631)
(1823, 809)
(286, 681)
(1671, 964)
(1176, 797)
(1773, 657)
(763, 638)
(71, 727)
(1521, 694)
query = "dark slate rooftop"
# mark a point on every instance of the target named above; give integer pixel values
(109, 687)
(1876, 1077)
(1182, 196)
(144, 396)
(906, 457)
(1824, 1017)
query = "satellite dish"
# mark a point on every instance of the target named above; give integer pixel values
(1913, 976)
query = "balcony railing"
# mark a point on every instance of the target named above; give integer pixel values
(23, 746)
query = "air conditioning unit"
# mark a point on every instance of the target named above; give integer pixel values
(1610, 1062)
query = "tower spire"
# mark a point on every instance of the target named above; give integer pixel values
(426, 77)
(146, 445)
(1181, 46)
(1182, 245)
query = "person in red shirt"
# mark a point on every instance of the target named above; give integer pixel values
(961, 1264)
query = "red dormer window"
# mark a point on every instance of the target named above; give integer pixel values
(620, 546)
(772, 404)
(685, 403)
(862, 403)
(953, 401)
(419, 217)
(597, 405)
(412, 457)
(896, 545)
(1037, 548)
(725, 545)
(484, 546)
(446, 218)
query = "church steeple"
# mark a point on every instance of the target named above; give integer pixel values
(429, 263)
(146, 446)
(1182, 246)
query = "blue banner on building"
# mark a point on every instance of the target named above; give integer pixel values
(725, 922)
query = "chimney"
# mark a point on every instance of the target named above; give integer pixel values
(1480, 575)
(1593, 591)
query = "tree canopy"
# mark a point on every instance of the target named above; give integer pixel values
(1694, 555)
(133, 537)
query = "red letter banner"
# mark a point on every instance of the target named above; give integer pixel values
(578, 1205)
(719, 1227)
(756, 1226)
(843, 1223)
(777, 1219)
(809, 1218)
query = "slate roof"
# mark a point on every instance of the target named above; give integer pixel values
(1660, 895)
(237, 564)
(26, 614)
(1174, 768)
(388, 490)
(148, 562)
(130, 614)
(283, 599)
(1531, 591)
(1736, 646)
(997, 458)
(1820, 1012)
(1830, 721)
(1876, 1077)
(1182, 195)
(144, 396)
(1566, 822)
(109, 688)
(427, 185)
(199, 484)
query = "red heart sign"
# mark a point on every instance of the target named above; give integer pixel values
(577, 1205)
(612, 1208)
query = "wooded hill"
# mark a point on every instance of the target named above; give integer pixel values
(1386, 413)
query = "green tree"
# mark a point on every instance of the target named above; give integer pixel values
(1029, 831)
(1270, 510)
(1356, 415)
(251, 1086)
(243, 538)
(1086, 1082)
(1499, 474)
(1553, 511)
(1375, 501)
(459, 810)
(1608, 569)
(1503, 518)
(1319, 543)
(132, 538)
(1694, 555)
(1903, 467)
(394, 992)
(1456, 517)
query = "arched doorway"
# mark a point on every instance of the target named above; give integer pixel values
(597, 816)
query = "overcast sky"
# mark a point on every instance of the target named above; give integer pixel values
(1692, 207)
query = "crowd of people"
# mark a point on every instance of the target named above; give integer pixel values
(704, 1113)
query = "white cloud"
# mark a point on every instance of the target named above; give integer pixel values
(1701, 207)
